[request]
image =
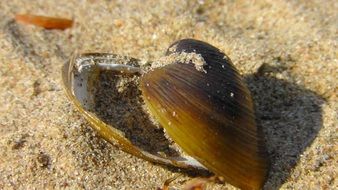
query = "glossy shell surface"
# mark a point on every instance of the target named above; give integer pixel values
(209, 114)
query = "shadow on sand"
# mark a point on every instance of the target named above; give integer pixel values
(289, 115)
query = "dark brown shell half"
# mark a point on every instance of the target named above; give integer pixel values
(209, 114)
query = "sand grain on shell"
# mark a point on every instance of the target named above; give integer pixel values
(182, 57)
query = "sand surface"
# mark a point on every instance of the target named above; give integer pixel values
(286, 50)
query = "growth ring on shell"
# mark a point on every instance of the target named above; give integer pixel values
(213, 118)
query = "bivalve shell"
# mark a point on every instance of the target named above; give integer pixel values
(209, 113)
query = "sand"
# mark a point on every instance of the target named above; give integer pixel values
(287, 52)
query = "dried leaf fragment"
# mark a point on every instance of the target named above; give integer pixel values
(45, 22)
(200, 183)
(196, 184)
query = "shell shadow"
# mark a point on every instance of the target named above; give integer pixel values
(290, 116)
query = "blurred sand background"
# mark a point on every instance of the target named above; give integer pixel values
(287, 51)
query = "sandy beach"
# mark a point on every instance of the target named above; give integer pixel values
(285, 50)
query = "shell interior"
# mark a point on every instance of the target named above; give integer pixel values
(91, 83)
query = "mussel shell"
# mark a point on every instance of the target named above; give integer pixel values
(210, 114)
(80, 76)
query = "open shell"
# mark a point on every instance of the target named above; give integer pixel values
(80, 76)
(205, 107)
